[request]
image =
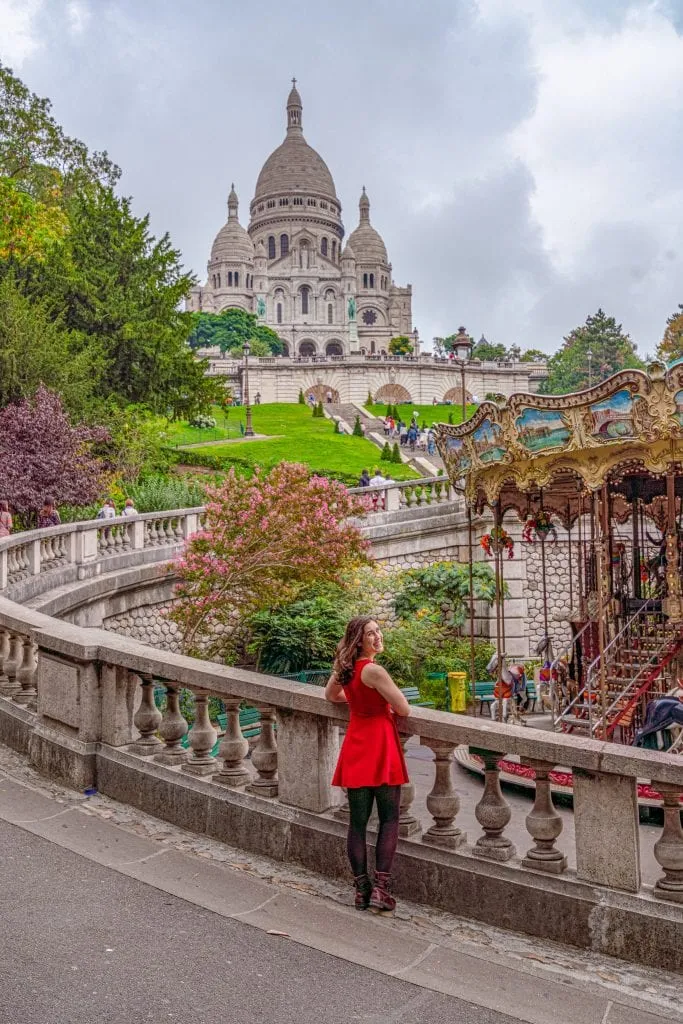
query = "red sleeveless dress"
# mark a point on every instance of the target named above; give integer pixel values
(371, 753)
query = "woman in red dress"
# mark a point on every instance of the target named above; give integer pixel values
(371, 766)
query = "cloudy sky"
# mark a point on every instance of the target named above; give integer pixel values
(524, 158)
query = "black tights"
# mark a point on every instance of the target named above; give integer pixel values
(360, 804)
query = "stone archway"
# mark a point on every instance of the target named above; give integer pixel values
(285, 348)
(320, 392)
(393, 394)
(334, 348)
(454, 395)
(308, 348)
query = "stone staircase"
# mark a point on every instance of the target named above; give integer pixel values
(374, 431)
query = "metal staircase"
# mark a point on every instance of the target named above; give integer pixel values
(636, 666)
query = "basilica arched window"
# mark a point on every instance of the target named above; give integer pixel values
(365, 280)
(323, 247)
(279, 298)
(229, 279)
(271, 247)
(372, 280)
(305, 295)
(330, 313)
(284, 245)
(237, 279)
(334, 250)
(278, 312)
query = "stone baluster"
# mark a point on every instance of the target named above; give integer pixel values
(169, 532)
(12, 664)
(443, 803)
(492, 812)
(669, 847)
(172, 730)
(147, 720)
(26, 675)
(408, 825)
(264, 756)
(544, 824)
(233, 749)
(202, 738)
(4, 656)
(179, 529)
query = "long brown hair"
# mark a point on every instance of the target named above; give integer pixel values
(349, 648)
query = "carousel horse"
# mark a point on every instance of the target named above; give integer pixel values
(663, 716)
(512, 685)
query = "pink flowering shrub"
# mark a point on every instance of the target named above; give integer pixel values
(263, 540)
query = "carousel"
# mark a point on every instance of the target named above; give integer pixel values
(599, 476)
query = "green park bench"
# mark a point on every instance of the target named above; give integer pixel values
(312, 676)
(483, 692)
(412, 695)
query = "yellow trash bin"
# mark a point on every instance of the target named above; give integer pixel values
(457, 685)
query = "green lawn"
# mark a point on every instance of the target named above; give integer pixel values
(295, 436)
(427, 413)
(227, 425)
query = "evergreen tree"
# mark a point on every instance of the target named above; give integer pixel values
(396, 453)
(611, 350)
(369, 401)
(357, 429)
(302, 400)
(386, 452)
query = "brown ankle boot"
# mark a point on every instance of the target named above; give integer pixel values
(363, 889)
(380, 897)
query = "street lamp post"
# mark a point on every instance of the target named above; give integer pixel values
(462, 350)
(249, 430)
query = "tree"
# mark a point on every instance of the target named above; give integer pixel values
(401, 346)
(36, 350)
(533, 355)
(357, 428)
(396, 453)
(302, 400)
(230, 330)
(253, 554)
(386, 452)
(41, 453)
(671, 346)
(442, 590)
(611, 350)
(486, 351)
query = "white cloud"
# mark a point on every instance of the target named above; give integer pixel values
(78, 15)
(19, 39)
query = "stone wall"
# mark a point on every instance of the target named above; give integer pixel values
(556, 595)
(148, 624)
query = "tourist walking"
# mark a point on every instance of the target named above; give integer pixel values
(129, 508)
(364, 479)
(5, 520)
(371, 766)
(108, 510)
(48, 515)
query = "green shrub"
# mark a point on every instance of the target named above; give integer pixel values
(302, 400)
(203, 422)
(450, 417)
(157, 493)
(386, 452)
(357, 429)
(396, 453)
(369, 401)
(318, 411)
(303, 634)
(442, 591)
(337, 428)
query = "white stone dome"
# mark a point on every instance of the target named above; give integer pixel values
(367, 244)
(232, 241)
(295, 166)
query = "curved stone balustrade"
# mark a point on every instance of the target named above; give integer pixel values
(80, 702)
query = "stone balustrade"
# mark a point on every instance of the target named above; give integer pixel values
(89, 546)
(80, 702)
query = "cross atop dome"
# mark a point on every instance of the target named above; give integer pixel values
(294, 109)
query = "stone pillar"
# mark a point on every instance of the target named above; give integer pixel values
(443, 803)
(606, 829)
(543, 824)
(172, 730)
(492, 812)
(11, 666)
(147, 720)
(233, 748)
(264, 756)
(669, 846)
(307, 754)
(26, 674)
(408, 825)
(3, 569)
(202, 738)
(120, 694)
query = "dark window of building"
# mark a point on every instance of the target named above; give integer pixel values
(230, 279)
(305, 292)
(278, 313)
(323, 247)
(237, 279)
(271, 247)
(334, 250)
(284, 245)
(372, 280)
(330, 313)
(365, 280)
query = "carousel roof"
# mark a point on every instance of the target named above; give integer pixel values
(624, 432)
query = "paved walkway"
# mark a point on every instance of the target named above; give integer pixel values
(112, 916)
